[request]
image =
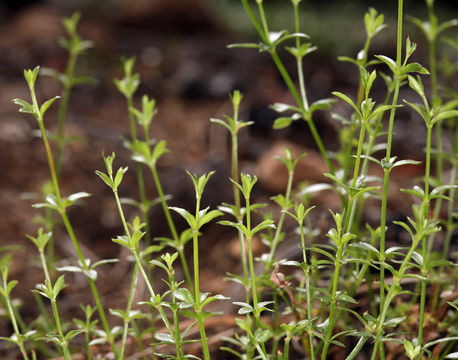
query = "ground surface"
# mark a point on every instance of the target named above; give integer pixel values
(184, 63)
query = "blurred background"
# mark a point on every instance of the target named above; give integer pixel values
(183, 60)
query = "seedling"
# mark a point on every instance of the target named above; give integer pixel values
(340, 263)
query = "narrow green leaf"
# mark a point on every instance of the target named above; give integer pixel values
(47, 104)
(105, 179)
(347, 100)
(25, 107)
(282, 122)
(388, 61)
(58, 286)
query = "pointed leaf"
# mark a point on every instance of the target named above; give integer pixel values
(388, 61)
(25, 107)
(47, 104)
(106, 179)
(282, 122)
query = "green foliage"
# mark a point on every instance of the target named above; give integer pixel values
(316, 308)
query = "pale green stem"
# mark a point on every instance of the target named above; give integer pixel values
(171, 224)
(386, 181)
(253, 19)
(364, 170)
(262, 15)
(286, 349)
(284, 73)
(9, 307)
(138, 261)
(251, 264)
(386, 175)
(60, 137)
(432, 57)
(391, 294)
(176, 320)
(261, 352)
(55, 310)
(198, 308)
(236, 194)
(307, 290)
(352, 203)
(133, 285)
(63, 109)
(300, 73)
(278, 230)
(67, 223)
(139, 172)
(332, 319)
(92, 285)
(44, 264)
(438, 127)
(257, 315)
(424, 268)
(64, 345)
(360, 97)
(450, 226)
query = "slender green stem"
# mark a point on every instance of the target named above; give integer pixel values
(92, 285)
(287, 78)
(276, 338)
(171, 224)
(360, 98)
(279, 228)
(450, 225)
(47, 323)
(432, 56)
(64, 343)
(356, 350)
(138, 262)
(67, 223)
(251, 264)
(392, 293)
(139, 171)
(198, 308)
(263, 33)
(144, 201)
(387, 170)
(306, 116)
(132, 124)
(348, 148)
(319, 144)
(300, 72)
(239, 215)
(351, 206)
(307, 289)
(286, 349)
(254, 290)
(332, 310)
(262, 15)
(63, 109)
(195, 248)
(261, 352)
(11, 312)
(253, 19)
(130, 300)
(176, 321)
(165, 207)
(424, 246)
(55, 310)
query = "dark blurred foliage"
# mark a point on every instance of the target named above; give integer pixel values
(13, 5)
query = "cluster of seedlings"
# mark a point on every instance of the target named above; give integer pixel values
(320, 313)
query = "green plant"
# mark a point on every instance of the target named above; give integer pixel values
(318, 307)
(55, 201)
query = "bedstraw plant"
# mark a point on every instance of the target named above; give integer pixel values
(351, 292)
